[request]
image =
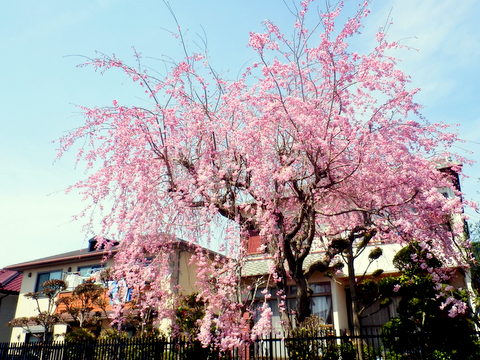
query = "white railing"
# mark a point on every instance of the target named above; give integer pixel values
(73, 279)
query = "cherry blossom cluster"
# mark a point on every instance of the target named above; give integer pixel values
(312, 142)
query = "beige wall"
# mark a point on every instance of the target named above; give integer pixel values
(384, 262)
(186, 274)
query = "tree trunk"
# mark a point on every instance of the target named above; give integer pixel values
(357, 327)
(282, 286)
(303, 300)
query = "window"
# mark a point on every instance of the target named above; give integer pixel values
(254, 244)
(88, 270)
(37, 336)
(322, 307)
(44, 276)
(320, 302)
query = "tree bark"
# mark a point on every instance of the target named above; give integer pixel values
(357, 327)
(303, 300)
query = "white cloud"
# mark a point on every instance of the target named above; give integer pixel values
(444, 34)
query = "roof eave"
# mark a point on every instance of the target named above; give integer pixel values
(60, 261)
(9, 292)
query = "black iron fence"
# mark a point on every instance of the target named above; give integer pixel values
(328, 347)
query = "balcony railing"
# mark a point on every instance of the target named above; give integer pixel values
(73, 279)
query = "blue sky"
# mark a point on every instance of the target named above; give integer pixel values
(40, 86)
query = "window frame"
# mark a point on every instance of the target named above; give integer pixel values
(291, 289)
(291, 296)
(93, 266)
(38, 286)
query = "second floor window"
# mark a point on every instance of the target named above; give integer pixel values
(86, 271)
(47, 275)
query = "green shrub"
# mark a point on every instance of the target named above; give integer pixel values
(80, 334)
(112, 334)
(344, 351)
(189, 311)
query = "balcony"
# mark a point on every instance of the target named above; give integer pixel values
(73, 279)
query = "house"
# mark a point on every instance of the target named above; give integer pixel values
(10, 282)
(74, 268)
(330, 299)
(329, 294)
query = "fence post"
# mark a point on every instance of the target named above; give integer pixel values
(271, 346)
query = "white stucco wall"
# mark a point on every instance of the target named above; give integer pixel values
(339, 307)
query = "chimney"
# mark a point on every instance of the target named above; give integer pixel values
(92, 244)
